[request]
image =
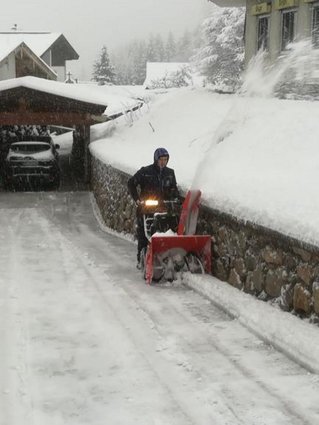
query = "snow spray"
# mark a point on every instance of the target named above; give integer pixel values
(296, 66)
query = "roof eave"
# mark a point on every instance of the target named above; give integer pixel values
(229, 3)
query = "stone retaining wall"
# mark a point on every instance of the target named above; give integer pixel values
(109, 187)
(254, 259)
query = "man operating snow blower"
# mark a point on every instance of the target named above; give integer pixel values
(155, 181)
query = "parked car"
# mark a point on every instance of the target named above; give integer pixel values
(32, 163)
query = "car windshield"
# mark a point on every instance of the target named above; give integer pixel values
(30, 147)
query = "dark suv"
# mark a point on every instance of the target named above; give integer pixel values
(32, 163)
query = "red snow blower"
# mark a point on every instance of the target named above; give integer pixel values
(169, 253)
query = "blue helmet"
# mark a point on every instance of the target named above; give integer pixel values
(160, 152)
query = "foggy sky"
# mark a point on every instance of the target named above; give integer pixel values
(90, 24)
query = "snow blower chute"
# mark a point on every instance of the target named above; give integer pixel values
(168, 253)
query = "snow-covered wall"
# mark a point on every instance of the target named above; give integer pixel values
(110, 190)
(254, 259)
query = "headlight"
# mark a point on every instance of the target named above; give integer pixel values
(151, 202)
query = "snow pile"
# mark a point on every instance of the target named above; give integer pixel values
(298, 339)
(256, 158)
(171, 74)
(169, 232)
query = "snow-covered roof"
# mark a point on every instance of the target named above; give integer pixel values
(229, 3)
(99, 95)
(4, 54)
(7, 48)
(39, 42)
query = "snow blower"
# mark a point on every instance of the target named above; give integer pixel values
(168, 253)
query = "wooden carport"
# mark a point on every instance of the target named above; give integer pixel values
(34, 101)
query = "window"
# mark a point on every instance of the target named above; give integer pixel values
(315, 25)
(263, 33)
(287, 28)
(30, 147)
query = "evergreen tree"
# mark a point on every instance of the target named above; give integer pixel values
(196, 39)
(122, 71)
(185, 47)
(130, 61)
(151, 49)
(221, 56)
(170, 48)
(159, 49)
(138, 62)
(123, 65)
(103, 71)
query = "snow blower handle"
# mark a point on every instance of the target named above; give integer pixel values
(189, 214)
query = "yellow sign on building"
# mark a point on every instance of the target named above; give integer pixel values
(284, 4)
(260, 9)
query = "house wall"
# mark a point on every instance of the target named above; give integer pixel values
(61, 72)
(20, 64)
(55, 58)
(7, 68)
(303, 25)
(28, 65)
(46, 57)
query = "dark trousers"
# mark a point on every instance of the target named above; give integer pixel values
(140, 234)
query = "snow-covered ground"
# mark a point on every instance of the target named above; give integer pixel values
(85, 341)
(251, 157)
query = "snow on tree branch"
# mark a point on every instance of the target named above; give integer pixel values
(221, 56)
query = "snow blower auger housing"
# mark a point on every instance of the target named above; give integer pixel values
(169, 253)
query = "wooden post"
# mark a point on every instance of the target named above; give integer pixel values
(77, 154)
(87, 155)
(81, 158)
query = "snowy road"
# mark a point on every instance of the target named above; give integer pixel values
(85, 341)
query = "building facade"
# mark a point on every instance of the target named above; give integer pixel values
(273, 24)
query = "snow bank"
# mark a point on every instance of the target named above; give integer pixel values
(299, 340)
(254, 158)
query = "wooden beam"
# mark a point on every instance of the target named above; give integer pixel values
(23, 117)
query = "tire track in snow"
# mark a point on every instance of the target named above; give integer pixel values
(154, 321)
(189, 356)
(132, 351)
(15, 344)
